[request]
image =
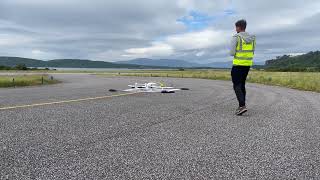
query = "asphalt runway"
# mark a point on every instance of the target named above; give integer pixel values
(187, 135)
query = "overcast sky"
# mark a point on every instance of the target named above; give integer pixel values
(193, 30)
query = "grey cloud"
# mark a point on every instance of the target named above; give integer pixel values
(91, 25)
(103, 30)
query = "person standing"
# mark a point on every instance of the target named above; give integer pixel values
(242, 49)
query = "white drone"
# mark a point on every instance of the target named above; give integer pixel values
(151, 87)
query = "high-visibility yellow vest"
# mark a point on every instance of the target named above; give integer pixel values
(244, 53)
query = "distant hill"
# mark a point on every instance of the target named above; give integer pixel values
(176, 63)
(141, 63)
(14, 61)
(77, 63)
(179, 63)
(161, 62)
(227, 64)
(305, 62)
(66, 63)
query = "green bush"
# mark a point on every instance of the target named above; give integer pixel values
(21, 67)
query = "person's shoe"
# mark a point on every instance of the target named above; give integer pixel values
(241, 110)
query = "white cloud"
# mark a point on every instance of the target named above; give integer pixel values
(209, 6)
(296, 54)
(188, 41)
(157, 49)
(14, 40)
(197, 40)
(40, 54)
(37, 52)
(183, 42)
(201, 53)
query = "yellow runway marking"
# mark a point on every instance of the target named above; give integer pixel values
(66, 101)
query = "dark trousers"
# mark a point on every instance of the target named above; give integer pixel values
(239, 76)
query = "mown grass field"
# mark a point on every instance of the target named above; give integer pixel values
(309, 81)
(25, 80)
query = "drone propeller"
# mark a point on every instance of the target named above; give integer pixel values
(167, 92)
(184, 89)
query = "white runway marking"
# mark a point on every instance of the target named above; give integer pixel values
(66, 101)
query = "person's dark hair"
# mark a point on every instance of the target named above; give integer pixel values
(242, 24)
